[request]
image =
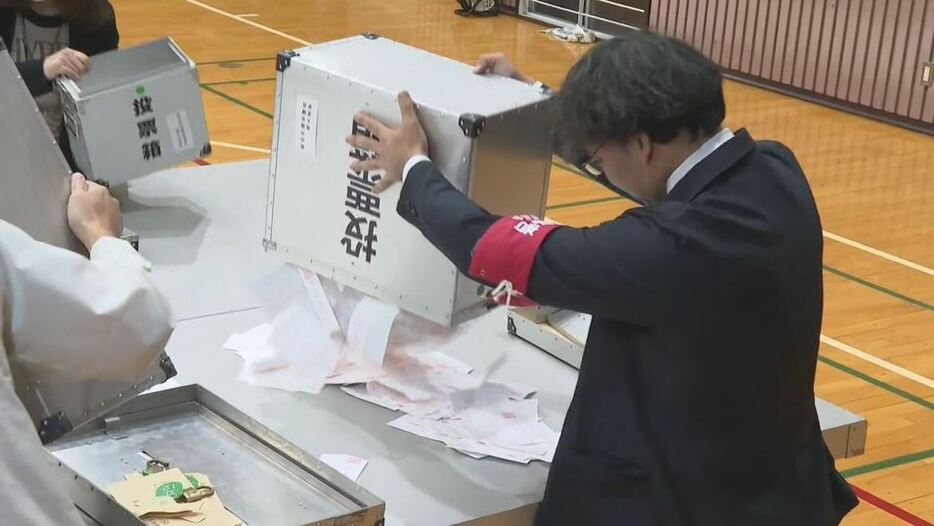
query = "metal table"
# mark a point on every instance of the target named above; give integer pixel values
(202, 229)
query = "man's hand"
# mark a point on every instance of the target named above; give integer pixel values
(395, 145)
(498, 64)
(73, 64)
(92, 212)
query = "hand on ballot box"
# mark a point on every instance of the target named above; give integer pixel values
(391, 147)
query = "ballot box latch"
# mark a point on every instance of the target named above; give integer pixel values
(472, 124)
(284, 60)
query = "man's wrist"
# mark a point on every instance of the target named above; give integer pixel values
(412, 162)
(95, 234)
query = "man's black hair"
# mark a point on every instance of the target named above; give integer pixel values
(638, 82)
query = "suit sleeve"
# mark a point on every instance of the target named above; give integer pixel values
(97, 318)
(609, 270)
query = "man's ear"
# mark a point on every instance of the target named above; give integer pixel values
(645, 149)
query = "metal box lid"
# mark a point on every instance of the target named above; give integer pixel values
(35, 187)
(127, 66)
(434, 81)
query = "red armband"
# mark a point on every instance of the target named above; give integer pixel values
(507, 252)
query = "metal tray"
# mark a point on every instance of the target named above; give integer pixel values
(258, 475)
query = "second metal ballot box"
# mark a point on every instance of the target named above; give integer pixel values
(137, 111)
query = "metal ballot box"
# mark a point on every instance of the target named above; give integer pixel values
(34, 190)
(490, 136)
(137, 111)
(258, 475)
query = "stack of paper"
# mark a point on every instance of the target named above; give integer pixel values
(153, 499)
(320, 334)
(446, 401)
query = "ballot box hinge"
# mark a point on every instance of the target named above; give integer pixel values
(284, 60)
(114, 428)
(168, 367)
(511, 327)
(472, 124)
(54, 427)
(206, 150)
(269, 244)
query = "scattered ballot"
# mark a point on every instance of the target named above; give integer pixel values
(347, 465)
(321, 334)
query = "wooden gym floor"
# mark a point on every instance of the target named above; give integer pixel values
(874, 185)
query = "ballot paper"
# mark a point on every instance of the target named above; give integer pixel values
(286, 353)
(318, 334)
(368, 333)
(507, 432)
(487, 419)
(299, 348)
(347, 465)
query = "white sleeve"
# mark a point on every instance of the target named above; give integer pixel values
(85, 319)
(411, 164)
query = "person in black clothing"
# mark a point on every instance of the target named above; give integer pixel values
(52, 38)
(695, 400)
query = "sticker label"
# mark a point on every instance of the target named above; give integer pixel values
(180, 131)
(306, 136)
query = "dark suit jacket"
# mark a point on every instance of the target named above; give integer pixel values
(695, 401)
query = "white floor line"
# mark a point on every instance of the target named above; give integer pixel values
(876, 252)
(239, 147)
(901, 371)
(257, 25)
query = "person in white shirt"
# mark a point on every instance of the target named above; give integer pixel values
(84, 318)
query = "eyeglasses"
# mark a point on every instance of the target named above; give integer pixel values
(590, 166)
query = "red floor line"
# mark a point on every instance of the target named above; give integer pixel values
(201, 162)
(889, 508)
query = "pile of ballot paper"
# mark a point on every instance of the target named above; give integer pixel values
(155, 500)
(319, 333)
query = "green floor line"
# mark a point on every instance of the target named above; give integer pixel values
(876, 382)
(880, 288)
(237, 101)
(245, 81)
(234, 61)
(889, 463)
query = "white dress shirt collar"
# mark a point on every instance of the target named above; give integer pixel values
(705, 149)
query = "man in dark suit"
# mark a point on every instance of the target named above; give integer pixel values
(695, 401)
